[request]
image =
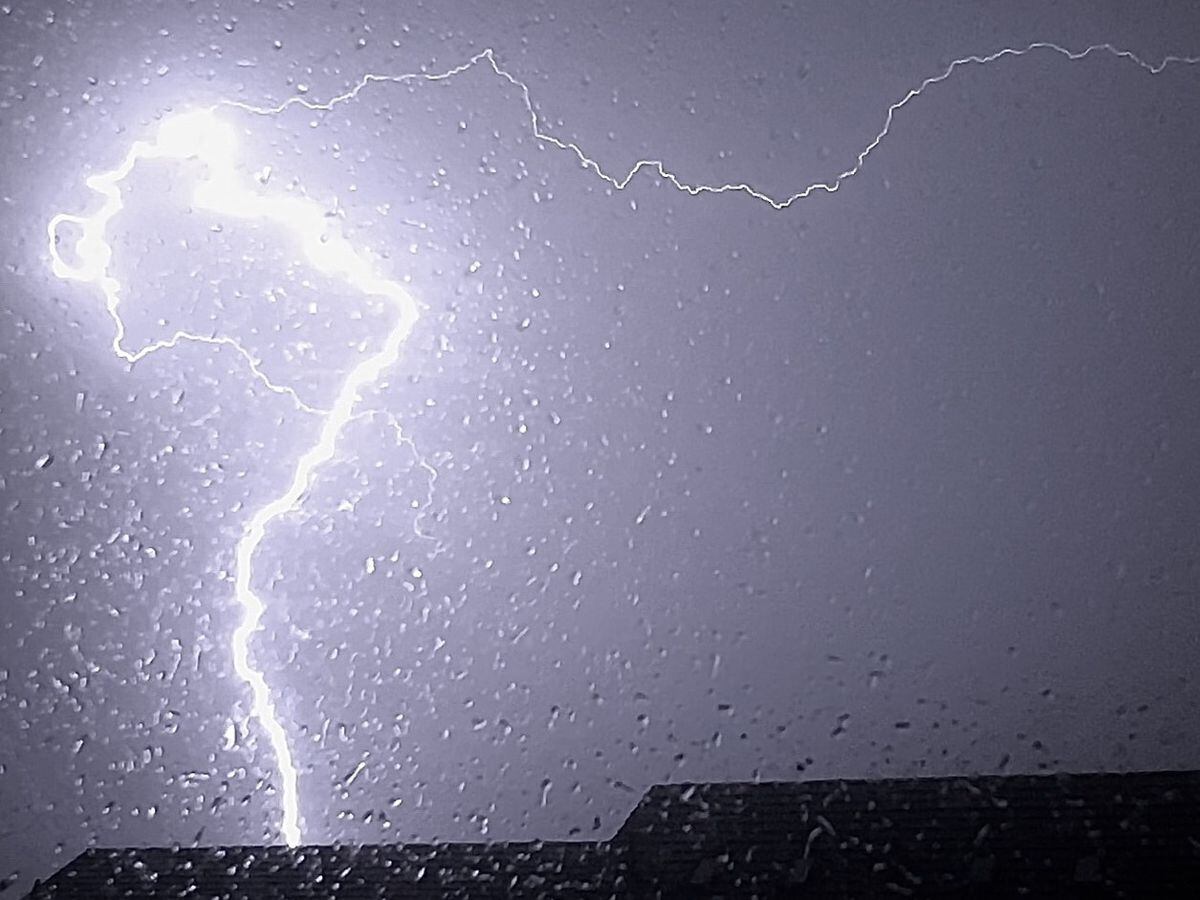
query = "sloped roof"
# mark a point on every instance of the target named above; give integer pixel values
(1064, 835)
(1135, 835)
(342, 872)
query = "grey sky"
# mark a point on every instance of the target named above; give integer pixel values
(899, 480)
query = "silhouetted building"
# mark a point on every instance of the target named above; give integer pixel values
(1062, 836)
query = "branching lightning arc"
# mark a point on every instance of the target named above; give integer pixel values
(201, 135)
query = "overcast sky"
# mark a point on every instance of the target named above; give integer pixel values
(900, 480)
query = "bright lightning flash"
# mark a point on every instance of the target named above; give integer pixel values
(201, 136)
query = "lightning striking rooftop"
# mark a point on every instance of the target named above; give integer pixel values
(201, 135)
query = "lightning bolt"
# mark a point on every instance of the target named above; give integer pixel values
(201, 135)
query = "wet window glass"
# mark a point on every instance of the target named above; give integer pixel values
(440, 424)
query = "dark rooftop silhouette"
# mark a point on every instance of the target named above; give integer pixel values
(1112, 835)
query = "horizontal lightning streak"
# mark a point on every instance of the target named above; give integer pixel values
(655, 165)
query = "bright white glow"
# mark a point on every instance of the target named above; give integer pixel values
(191, 135)
(201, 136)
